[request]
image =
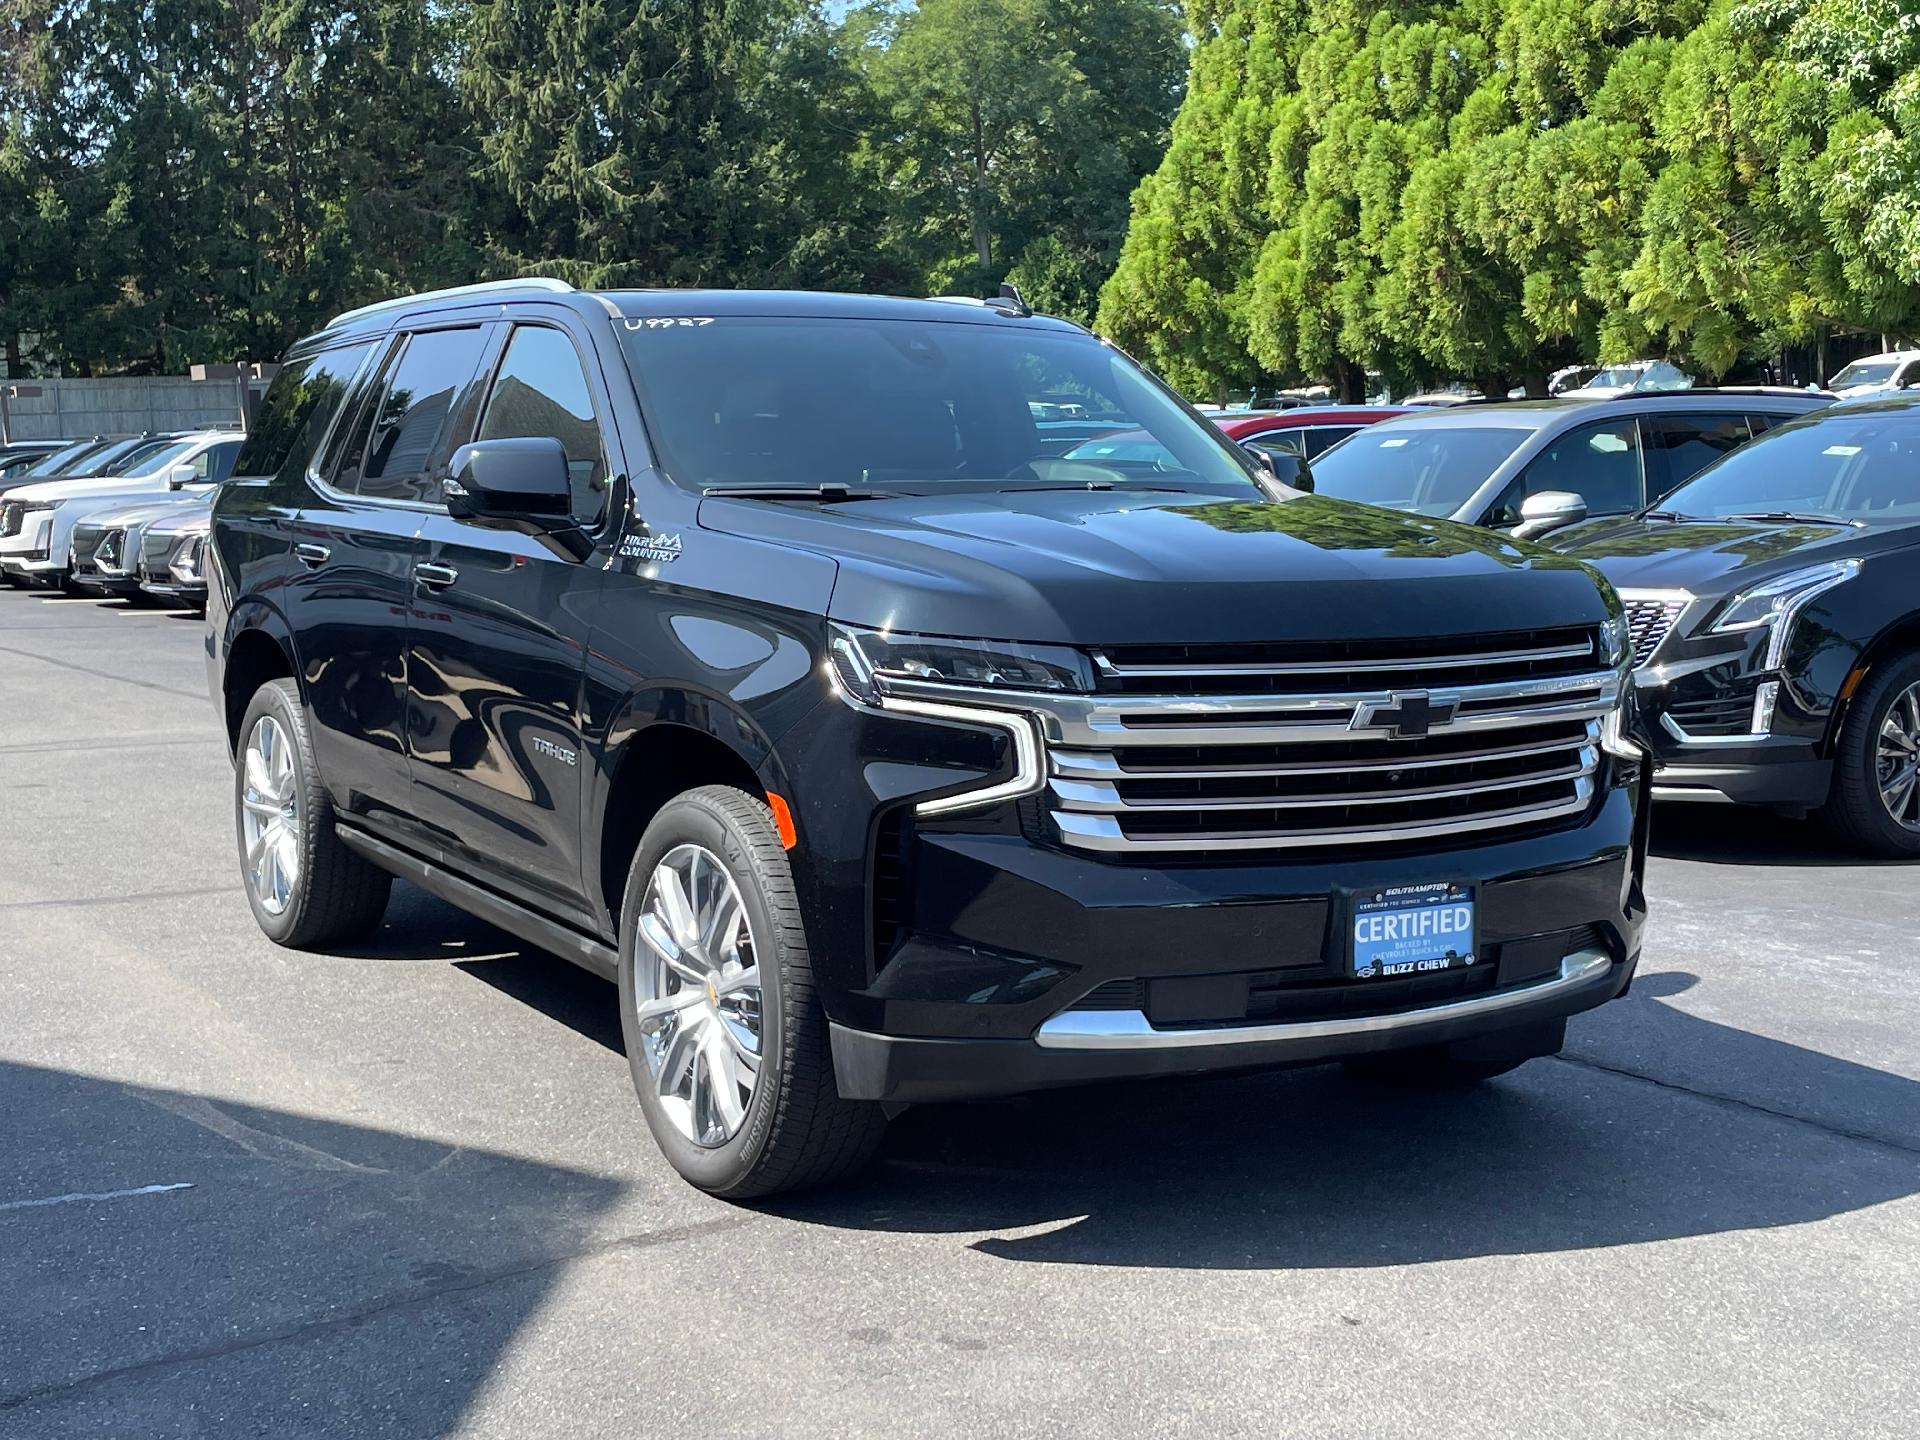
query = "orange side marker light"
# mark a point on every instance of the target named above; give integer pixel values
(782, 820)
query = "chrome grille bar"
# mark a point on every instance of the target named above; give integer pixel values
(1401, 664)
(1110, 764)
(1102, 797)
(1104, 832)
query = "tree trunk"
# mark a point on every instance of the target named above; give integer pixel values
(1536, 382)
(1350, 378)
(976, 205)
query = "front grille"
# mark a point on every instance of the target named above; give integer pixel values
(11, 515)
(1722, 715)
(1292, 668)
(1649, 617)
(1421, 740)
(154, 550)
(86, 545)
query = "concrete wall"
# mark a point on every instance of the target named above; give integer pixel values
(123, 407)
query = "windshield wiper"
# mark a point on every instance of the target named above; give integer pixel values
(824, 494)
(1798, 517)
(1673, 515)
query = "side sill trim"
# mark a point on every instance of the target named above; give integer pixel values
(515, 919)
(1131, 1030)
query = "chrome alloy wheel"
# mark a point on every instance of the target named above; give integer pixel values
(270, 816)
(696, 981)
(1896, 760)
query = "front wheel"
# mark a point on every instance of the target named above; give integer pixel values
(725, 1038)
(1875, 804)
(305, 887)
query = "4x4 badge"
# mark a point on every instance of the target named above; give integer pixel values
(1408, 717)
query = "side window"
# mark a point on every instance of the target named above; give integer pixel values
(1681, 446)
(1322, 438)
(1908, 376)
(217, 463)
(1293, 442)
(393, 451)
(541, 389)
(298, 408)
(1599, 463)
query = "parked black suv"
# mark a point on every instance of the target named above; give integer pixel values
(756, 651)
(1777, 623)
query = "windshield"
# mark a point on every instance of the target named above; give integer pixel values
(1428, 469)
(907, 405)
(60, 459)
(1855, 467)
(128, 454)
(1864, 372)
(152, 462)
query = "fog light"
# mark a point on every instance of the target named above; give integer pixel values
(1763, 702)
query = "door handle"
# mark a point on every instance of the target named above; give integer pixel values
(312, 556)
(435, 577)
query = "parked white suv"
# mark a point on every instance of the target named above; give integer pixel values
(33, 539)
(1877, 375)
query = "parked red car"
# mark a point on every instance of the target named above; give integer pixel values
(1307, 431)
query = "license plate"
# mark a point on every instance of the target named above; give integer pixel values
(1411, 930)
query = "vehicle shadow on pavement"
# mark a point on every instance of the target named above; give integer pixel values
(294, 1276)
(1742, 835)
(1310, 1169)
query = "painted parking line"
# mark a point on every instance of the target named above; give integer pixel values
(89, 1195)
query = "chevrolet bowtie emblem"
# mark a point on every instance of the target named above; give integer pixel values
(1407, 717)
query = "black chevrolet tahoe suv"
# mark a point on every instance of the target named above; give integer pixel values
(766, 654)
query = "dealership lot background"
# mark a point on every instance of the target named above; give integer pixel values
(419, 1198)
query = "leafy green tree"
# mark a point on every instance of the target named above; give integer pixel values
(1014, 130)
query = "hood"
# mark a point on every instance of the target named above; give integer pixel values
(1110, 567)
(1713, 556)
(130, 510)
(111, 486)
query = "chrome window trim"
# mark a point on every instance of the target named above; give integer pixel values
(1131, 1030)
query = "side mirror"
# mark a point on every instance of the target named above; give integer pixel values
(181, 476)
(1549, 510)
(517, 484)
(1283, 465)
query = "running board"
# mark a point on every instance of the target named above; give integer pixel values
(517, 920)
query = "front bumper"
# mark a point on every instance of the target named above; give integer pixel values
(1082, 1046)
(1025, 967)
(1721, 727)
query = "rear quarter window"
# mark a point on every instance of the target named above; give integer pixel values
(299, 407)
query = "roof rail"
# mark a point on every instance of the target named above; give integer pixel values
(1001, 304)
(529, 282)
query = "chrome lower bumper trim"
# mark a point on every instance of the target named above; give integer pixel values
(1698, 793)
(1131, 1030)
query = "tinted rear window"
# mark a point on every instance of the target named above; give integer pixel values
(300, 404)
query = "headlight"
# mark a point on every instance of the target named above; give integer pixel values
(865, 660)
(186, 561)
(1775, 602)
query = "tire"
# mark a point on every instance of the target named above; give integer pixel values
(792, 1131)
(1462, 1063)
(333, 896)
(1855, 810)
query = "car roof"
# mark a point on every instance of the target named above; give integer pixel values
(1306, 417)
(640, 304)
(1883, 356)
(1540, 413)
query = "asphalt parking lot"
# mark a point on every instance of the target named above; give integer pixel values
(407, 1191)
